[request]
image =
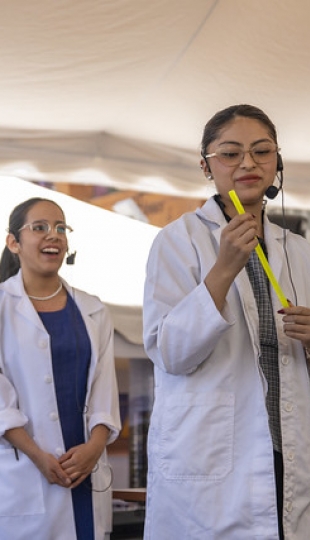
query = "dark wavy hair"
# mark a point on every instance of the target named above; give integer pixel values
(222, 118)
(9, 262)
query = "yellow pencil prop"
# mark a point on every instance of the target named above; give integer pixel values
(261, 255)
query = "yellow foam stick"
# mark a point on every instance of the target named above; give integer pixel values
(261, 255)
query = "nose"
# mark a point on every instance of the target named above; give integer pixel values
(51, 237)
(52, 233)
(247, 160)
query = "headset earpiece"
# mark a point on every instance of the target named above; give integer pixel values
(70, 259)
(279, 162)
(273, 191)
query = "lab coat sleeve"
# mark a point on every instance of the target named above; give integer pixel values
(181, 323)
(103, 405)
(10, 415)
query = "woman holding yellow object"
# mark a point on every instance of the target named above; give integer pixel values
(230, 431)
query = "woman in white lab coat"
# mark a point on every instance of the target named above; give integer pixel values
(232, 392)
(58, 393)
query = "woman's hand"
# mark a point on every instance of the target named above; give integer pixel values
(296, 323)
(80, 460)
(238, 239)
(45, 462)
(52, 470)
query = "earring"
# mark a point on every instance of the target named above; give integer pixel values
(210, 177)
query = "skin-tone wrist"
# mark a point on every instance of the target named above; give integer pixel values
(19, 438)
(218, 286)
(98, 438)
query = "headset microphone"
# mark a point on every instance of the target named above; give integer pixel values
(273, 191)
(71, 258)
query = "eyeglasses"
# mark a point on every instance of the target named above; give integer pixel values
(43, 227)
(232, 155)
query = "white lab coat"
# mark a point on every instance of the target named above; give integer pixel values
(211, 473)
(30, 507)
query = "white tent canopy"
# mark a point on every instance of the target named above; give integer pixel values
(117, 93)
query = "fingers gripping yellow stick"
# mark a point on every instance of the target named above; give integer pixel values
(261, 255)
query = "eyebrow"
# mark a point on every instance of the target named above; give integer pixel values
(236, 143)
(46, 221)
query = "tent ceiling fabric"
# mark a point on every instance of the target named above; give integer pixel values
(117, 92)
(103, 159)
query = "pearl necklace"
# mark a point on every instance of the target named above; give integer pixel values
(46, 297)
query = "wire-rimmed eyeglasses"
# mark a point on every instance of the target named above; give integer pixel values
(232, 155)
(43, 228)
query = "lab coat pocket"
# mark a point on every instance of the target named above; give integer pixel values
(196, 440)
(21, 491)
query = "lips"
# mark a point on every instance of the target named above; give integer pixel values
(50, 251)
(249, 178)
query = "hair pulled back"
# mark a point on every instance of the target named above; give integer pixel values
(222, 118)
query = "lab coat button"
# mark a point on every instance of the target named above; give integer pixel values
(285, 360)
(48, 379)
(290, 456)
(54, 416)
(59, 451)
(288, 407)
(42, 343)
(289, 506)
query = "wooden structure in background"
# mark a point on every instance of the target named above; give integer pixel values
(78, 191)
(159, 209)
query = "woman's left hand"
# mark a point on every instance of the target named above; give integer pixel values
(296, 323)
(79, 462)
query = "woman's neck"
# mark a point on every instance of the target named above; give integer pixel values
(41, 286)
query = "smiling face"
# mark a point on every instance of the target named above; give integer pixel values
(249, 179)
(40, 254)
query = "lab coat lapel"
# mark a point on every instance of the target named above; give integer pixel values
(88, 308)
(274, 242)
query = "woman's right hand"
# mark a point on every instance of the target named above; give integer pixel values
(47, 464)
(238, 239)
(52, 470)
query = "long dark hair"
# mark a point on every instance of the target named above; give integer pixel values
(9, 262)
(225, 116)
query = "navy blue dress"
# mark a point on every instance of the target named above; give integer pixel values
(71, 352)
